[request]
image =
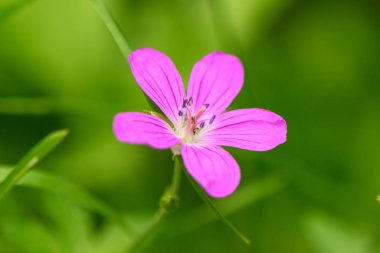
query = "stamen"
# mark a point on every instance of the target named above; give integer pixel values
(184, 103)
(201, 110)
(212, 119)
(188, 112)
(190, 102)
(192, 120)
(195, 130)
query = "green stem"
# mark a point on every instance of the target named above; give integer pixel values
(176, 180)
(168, 203)
(112, 26)
(119, 38)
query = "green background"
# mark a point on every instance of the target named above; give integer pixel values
(316, 63)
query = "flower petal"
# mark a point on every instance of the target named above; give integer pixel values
(140, 128)
(215, 80)
(159, 79)
(213, 168)
(252, 129)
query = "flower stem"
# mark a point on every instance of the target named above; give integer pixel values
(112, 26)
(176, 180)
(168, 203)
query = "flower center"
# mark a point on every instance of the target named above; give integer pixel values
(192, 124)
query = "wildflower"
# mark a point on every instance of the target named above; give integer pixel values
(199, 124)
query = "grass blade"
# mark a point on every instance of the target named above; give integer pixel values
(112, 26)
(37, 153)
(119, 38)
(208, 201)
(73, 193)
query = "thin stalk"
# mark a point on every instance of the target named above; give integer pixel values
(176, 180)
(168, 203)
(119, 38)
(112, 26)
(208, 201)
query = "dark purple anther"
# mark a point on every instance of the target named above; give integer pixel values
(184, 103)
(180, 113)
(212, 119)
(190, 102)
(206, 105)
(202, 124)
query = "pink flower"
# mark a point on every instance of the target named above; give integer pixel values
(199, 124)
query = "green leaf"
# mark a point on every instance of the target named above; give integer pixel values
(208, 201)
(9, 10)
(37, 153)
(70, 191)
(329, 234)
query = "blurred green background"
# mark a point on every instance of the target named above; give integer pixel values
(314, 62)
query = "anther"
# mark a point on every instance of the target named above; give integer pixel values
(180, 113)
(202, 124)
(192, 119)
(202, 110)
(212, 119)
(184, 103)
(190, 101)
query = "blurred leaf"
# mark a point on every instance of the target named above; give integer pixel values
(13, 8)
(47, 105)
(110, 239)
(241, 23)
(75, 194)
(23, 234)
(252, 19)
(330, 235)
(73, 224)
(37, 153)
(208, 201)
(242, 198)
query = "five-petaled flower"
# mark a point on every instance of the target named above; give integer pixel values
(199, 124)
